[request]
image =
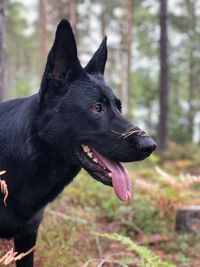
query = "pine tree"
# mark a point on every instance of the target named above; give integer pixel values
(164, 77)
(2, 57)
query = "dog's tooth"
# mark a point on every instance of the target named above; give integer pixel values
(95, 160)
(83, 147)
(110, 174)
(86, 148)
(89, 155)
(2, 172)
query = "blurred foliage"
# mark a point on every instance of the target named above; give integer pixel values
(24, 62)
(21, 52)
(66, 235)
(147, 257)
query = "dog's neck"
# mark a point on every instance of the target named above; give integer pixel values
(50, 177)
(44, 169)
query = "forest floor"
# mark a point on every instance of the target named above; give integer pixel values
(78, 227)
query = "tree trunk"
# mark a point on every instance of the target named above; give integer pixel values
(192, 85)
(164, 78)
(43, 33)
(102, 18)
(126, 56)
(73, 15)
(129, 6)
(188, 219)
(191, 95)
(2, 55)
(123, 82)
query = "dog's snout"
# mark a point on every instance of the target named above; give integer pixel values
(148, 145)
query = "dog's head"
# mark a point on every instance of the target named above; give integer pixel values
(84, 116)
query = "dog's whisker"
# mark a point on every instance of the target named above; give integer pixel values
(138, 132)
(121, 134)
(131, 132)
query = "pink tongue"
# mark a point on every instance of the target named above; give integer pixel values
(120, 178)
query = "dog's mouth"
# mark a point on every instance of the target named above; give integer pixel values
(106, 171)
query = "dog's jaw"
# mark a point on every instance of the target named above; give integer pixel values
(106, 171)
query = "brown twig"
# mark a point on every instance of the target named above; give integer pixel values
(3, 188)
(66, 217)
(107, 259)
(12, 256)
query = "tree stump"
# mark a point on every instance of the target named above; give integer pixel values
(188, 219)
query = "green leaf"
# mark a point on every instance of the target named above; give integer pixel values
(147, 256)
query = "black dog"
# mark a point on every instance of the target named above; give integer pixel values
(74, 121)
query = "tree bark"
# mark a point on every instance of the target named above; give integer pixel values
(126, 58)
(129, 52)
(73, 15)
(43, 33)
(191, 95)
(102, 18)
(188, 219)
(2, 51)
(192, 34)
(164, 78)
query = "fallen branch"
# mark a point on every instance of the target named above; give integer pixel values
(66, 217)
(110, 258)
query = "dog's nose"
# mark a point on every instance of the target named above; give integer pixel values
(148, 145)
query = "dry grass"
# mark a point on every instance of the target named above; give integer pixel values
(3, 188)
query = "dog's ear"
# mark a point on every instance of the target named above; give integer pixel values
(98, 61)
(62, 63)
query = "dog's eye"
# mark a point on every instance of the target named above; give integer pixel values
(97, 108)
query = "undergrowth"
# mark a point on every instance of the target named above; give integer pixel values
(146, 257)
(145, 226)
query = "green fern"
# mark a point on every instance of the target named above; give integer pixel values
(147, 257)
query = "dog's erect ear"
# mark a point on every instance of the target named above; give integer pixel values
(62, 62)
(64, 52)
(98, 61)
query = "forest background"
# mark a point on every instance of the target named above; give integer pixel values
(154, 68)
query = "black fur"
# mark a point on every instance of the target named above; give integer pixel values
(40, 137)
